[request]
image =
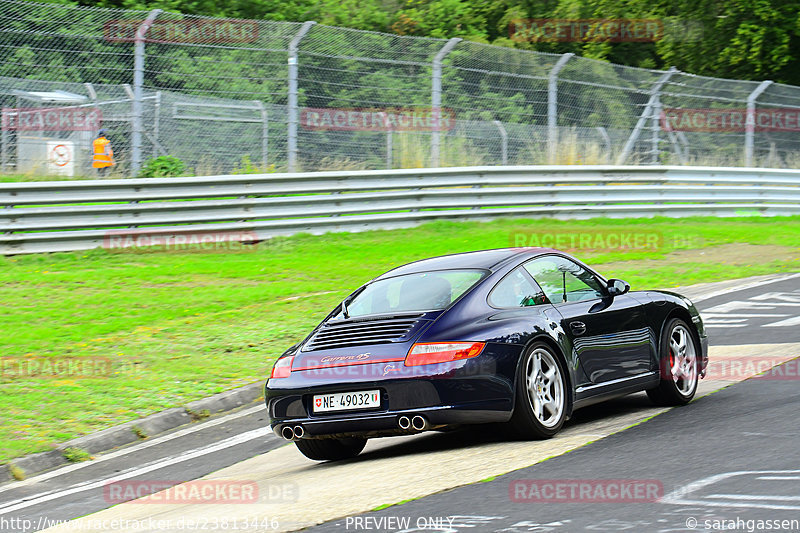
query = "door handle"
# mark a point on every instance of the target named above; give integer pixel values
(577, 327)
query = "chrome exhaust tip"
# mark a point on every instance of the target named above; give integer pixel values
(404, 422)
(287, 433)
(419, 423)
(299, 432)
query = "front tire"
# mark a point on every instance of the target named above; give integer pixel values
(679, 375)
(541, 394)
(330, 449)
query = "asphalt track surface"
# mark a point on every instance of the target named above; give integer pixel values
(761, 315)
(727, 456)
(748, 428)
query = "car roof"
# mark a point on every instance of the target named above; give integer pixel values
(483, 259)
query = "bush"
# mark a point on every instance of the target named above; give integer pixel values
(248, 167)
(76, 455)
(165, 166)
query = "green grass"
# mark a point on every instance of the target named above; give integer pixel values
(387, 505)
(14, 178)
(181, 326)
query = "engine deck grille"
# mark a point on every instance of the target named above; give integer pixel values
(361, 331)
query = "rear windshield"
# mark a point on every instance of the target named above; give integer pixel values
(425, 291)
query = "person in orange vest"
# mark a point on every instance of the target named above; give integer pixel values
(103, 157)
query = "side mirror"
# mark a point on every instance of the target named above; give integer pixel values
(617, 287)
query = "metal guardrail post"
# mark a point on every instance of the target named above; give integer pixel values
(138, 81)
(503, 140)
(291, 140)
(750, 122)
(436, 97)
(655, 97)
(552, 107)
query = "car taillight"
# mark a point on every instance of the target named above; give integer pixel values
(282, 368)
(442, 352)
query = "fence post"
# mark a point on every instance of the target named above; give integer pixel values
(138, 81)
(750, 122)
(436, 97)
(655, 138)
(157, 120)
(655, 98)
(606, 139)
(291, 141)
(4, 149)
(264, 132)
(503, 140)
(552, 107)
(389, 149)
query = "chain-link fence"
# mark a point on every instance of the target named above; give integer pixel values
(239, 96)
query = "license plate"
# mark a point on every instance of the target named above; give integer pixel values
(346, 401)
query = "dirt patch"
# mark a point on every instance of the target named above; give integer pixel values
(738, 254)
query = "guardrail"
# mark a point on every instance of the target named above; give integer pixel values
(80, 215)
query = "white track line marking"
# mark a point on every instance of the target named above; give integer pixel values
(755, 497)
(744, 287)
(679, 495)
(740, 315)
(37, 499)
(783, 296)
(135, 448)
(794, 321)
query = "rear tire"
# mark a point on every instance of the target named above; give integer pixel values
(330, 449)
(678, 364)
(541, 394)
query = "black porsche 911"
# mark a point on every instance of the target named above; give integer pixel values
(521, 336)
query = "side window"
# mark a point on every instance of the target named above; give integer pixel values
(564, 281)
(515, 290)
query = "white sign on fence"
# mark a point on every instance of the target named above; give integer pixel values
(61, 158)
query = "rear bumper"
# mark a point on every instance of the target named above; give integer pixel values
(471, 391)
(377, 424)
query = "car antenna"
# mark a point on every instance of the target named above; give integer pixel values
(564, 285)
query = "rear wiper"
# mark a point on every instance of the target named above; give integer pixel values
(344, 309)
